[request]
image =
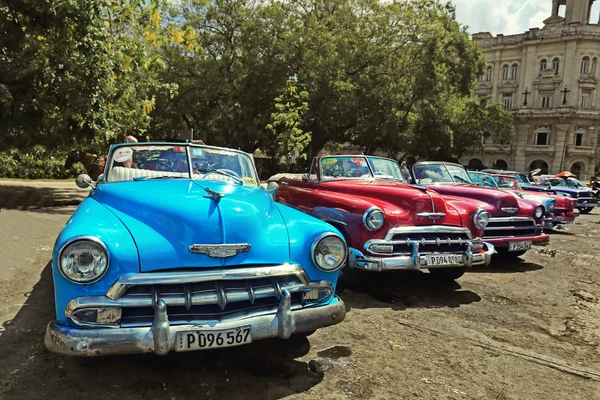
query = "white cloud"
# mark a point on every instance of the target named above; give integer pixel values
(507, 17)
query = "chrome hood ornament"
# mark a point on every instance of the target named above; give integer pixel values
(220, 250)
(510, 210)
(212, 194)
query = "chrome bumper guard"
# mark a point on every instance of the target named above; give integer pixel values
(160, 337)
(416, 261)
(549, 222)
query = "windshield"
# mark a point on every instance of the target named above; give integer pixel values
(359, 167)
(506, 182)
(522, 178)
(576, 183)
(384, 168)
(143, 161)
(484, 180)
(555, 182)
(440, 173)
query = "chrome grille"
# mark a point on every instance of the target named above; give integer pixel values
(430, 239)
(430, 243)
(510, 227)
(201, 301)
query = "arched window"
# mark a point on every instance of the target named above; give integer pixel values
(543, 64)
(556, 65)
(500, 164)
(539, 164)
(578, 169)
(505, 72)
(514, 71)
(585, 65)
(488, 76)
(475, 164)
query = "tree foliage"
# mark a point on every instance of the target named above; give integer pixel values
(385, 76)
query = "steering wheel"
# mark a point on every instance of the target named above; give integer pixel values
(379, 173)
(163, 165)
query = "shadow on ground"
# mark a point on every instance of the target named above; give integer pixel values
(28, 197)
(500, 265)
(263, 370)
(400, 290)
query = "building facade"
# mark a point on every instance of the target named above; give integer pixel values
(548, 79)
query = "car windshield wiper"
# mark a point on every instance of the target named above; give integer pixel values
(207, 171)
(463, 180)
(149, 178)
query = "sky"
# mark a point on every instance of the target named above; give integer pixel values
(507, 17)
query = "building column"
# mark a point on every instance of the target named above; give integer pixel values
(519, 146)
(562, 135)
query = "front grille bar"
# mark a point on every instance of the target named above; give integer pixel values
(181, 277)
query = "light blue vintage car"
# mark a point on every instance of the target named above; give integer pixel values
(178, 247)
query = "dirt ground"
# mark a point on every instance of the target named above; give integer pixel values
(526, 329)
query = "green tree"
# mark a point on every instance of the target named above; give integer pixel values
(286, 136)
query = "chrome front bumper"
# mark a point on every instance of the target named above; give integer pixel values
(416, 261)
(160, 337)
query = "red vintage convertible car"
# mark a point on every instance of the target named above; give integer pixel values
(389, 225)
(514, 225)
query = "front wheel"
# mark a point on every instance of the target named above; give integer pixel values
(585, 210)
(447, 274)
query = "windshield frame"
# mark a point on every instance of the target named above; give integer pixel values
(483, 174)
(367, 160)
(445, 166)
(188, 147)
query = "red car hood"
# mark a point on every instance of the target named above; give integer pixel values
(414, 199)
(492, 200)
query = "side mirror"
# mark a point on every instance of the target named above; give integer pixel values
(272, 188)
(84, 181)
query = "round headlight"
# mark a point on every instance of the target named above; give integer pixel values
(83, 260)
(329, 252)
(551, 205)
(481, 219)
(373, 219)
(539, 211)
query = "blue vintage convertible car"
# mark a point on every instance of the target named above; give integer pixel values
(178, 248)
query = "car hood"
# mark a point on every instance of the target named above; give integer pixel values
(414, 199)
(166, 217)
(492, 200)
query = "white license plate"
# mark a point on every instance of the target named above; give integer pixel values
(519, 246)
(207, 339)
(443, 259)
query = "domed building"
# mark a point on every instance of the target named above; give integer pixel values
(548, 78)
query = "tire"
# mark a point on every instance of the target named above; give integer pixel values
(585, 210)
(447, 274)
(509, 255)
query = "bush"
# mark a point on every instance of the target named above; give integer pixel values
(36, 163)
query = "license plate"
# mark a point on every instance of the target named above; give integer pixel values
(207, 339)
(444, 259)
(519, 246)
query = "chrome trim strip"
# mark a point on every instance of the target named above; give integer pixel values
(160, 338)
(427, 229)
(510, 228)
(119, 288)
(509, 219)
(432, 215)
(416, 260)
(510, 210)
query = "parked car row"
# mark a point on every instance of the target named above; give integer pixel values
(188, 251)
